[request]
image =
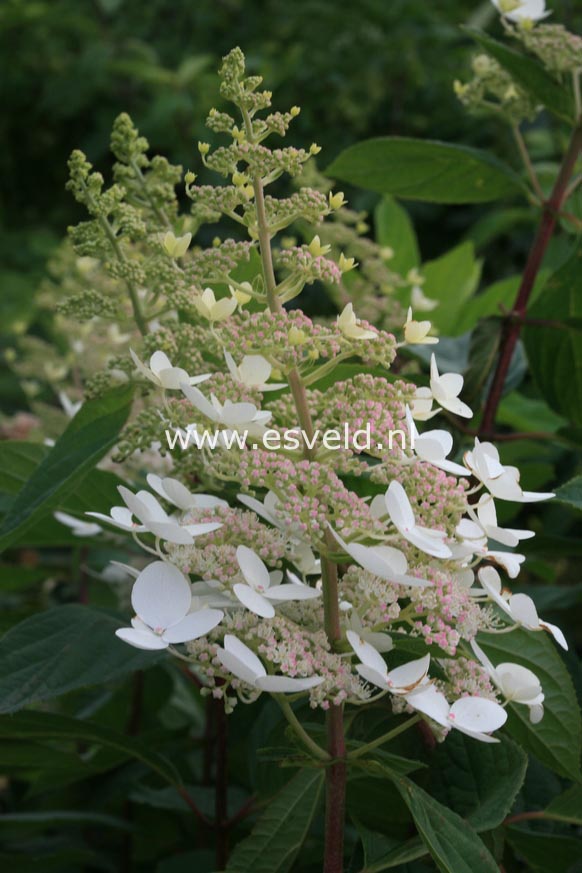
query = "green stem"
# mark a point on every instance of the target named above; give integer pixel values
(159, 213)
(133, 295)
(385, 738)
(307, 741)
(336, 772)
(118, 252)
(522, 148)
(577, 93)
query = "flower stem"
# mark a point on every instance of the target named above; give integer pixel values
(512, 327)
(335, 793)
(307, 741)
(524, 154)
(531, 816)
(385, 738)
(103, 222)
(221, 792)
(158, 211)
(336, 771)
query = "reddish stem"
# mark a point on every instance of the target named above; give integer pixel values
(335, 793)
(524, 816)
(192, 804)
(518, 435)
(512, 327)
(245, 810)
(132, 729)
(221, 787)
(208, 741)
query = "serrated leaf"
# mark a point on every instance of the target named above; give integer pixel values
(60, 650)
(557, 740)
(529, 75)
(88, 437)
(477, 780)
(416, 169)
(451, 841)
(276, 839)
(571, 492)
(384, 853)
(96, 492)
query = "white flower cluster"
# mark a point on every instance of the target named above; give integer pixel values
(170, 610)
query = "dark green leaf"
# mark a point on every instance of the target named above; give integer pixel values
(203, 796)
(452, 843)
(552, 546)
(545, 852)
(378, 761)
(555, 354)
(383, 853)
(571, 492)
(528, 414)
(35, 859)
(29, 756)
(557, 740)
(60, 818)
(478, 780)
(369, 798)
(278, 836)
(96, 492)
(188, 862)
(530, 76)
(18, 459)
(62, 649)
(46, 725)
(482, 357)
(552, 598)
(416, 169)
(88, 437)
(567, 807)
(17, 578)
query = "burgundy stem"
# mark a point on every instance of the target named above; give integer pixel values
(524, 816)
(335, 793)
(512, 327)
(221, 787)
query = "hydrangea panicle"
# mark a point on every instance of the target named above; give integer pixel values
(329, 559)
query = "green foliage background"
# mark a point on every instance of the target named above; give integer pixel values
(67, 68)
